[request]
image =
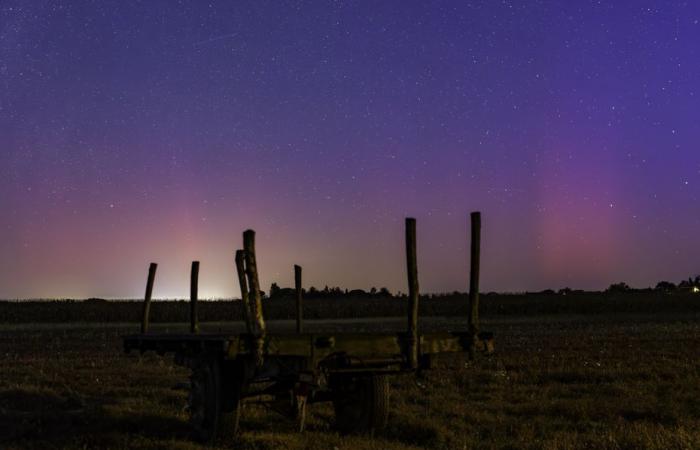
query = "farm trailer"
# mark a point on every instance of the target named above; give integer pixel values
(286, 372)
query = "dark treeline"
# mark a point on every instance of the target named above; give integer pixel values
(333, 292)
(691, 285)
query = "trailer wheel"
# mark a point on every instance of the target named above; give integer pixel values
(205, 400)
(231, 402)
(230, 422)
(361, 403)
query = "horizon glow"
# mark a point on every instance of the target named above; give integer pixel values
(159, 131)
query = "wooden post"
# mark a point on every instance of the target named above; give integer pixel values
(194, 285)
(474, 280)
(147, 298)
(240, 267)
(412, 269)
(255, 299)
(297, 286)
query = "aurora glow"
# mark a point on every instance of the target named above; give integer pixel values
(133, 132)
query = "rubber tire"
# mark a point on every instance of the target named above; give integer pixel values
(205, 401)
(230, 423)
(231, 404)
(361, 403)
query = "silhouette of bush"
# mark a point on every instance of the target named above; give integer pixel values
(665, 286)
(619, 288)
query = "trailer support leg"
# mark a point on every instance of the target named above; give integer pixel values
(299, 295)
(145, 318)
(240, 267)
(194, 286)
(412, 269)
(474, 281)
(255, 299)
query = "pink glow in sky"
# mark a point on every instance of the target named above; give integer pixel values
(159, 131)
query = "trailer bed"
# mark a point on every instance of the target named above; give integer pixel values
(287, 371)
(313, 346)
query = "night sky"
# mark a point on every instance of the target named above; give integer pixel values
(133, 132)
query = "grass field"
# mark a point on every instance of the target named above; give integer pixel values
(557, 381)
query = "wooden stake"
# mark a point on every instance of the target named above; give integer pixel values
(413, 291)
(194, 285)
(474, 280)
(240, 267)
(147, 298)
(297, 286)
(255, 299)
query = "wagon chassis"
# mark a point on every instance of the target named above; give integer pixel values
(287, 372)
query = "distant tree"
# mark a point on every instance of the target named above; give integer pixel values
(373, 291)
(384, 292)
(547, 292)
(274, 290)
(691, 284)
(665, 286)
(357, 293)
(565, 291)
(618, 288)
(313, 292)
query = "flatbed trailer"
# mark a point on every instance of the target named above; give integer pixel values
(288, 371)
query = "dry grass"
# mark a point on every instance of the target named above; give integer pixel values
(557, 382)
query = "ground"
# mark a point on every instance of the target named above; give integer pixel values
(603, 381)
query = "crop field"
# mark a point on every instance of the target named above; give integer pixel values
(619, 380)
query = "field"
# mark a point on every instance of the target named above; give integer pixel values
(615, 379)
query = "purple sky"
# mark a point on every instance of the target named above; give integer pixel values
(158, 131)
